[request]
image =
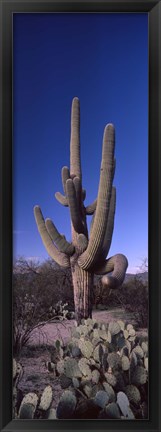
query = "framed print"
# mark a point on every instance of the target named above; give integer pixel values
(80, 281)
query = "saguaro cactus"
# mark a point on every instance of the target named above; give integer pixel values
(87, 253)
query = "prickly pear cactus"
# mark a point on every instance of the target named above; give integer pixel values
(46, 398)
(105, 372)
(86, 348)
(104, 380)
(124, 405)
(66, 406)
(28, 406)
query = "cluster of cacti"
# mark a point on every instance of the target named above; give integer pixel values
(58, 311)
(87, 253)
(104, 372)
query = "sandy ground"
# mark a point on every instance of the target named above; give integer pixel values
(50, 332)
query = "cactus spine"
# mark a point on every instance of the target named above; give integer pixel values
(86, 255)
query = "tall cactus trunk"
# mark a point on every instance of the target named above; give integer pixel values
(82, 282)
(86, 255)
(83, 292)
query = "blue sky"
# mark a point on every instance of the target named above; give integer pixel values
(102, 59)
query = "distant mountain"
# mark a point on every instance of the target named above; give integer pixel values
(143, 276)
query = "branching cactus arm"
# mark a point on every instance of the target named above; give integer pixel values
(117, 265)
(61, 258)
(110, 226)
(74, 207)
(60, 241)
(61, 198)
(91, 255)
(65, 176)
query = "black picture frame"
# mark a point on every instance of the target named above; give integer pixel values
(153, 8)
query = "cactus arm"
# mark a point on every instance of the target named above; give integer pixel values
(62, 199)
(75, 164)
(82, 242)
(78, 191)
(110, 225)
(60, 241)
(65, 176)
(90, 209)
(61, 258)
(117, 265)
(91, 255)
(73, 206)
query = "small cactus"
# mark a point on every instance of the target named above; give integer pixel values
(110, 391)
(60, 367)
(101, 399)
(123, 403)
(144, 347)
(138, 351)
(98, 353)
(111, 379)
(51, 414)
(86, 348)
(87, 389)
(27, 411)
(46, 398)
(66, 406)
(28, 405)
(125, 363)
(75, 382)
(133, 394)
(114, 328)
(121, 324)
(71, 368)
(139, 376)
(111, 411)
(65, 382)
(84, 368)
(95, 376)
(114, 360)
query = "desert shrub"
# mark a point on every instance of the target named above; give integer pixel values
(28, 318)
(132, 296)
(38, 298)
(103, 371)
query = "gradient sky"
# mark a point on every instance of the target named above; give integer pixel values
(102, 59)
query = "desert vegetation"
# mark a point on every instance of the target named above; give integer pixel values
(101, 371)
(42, 293)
